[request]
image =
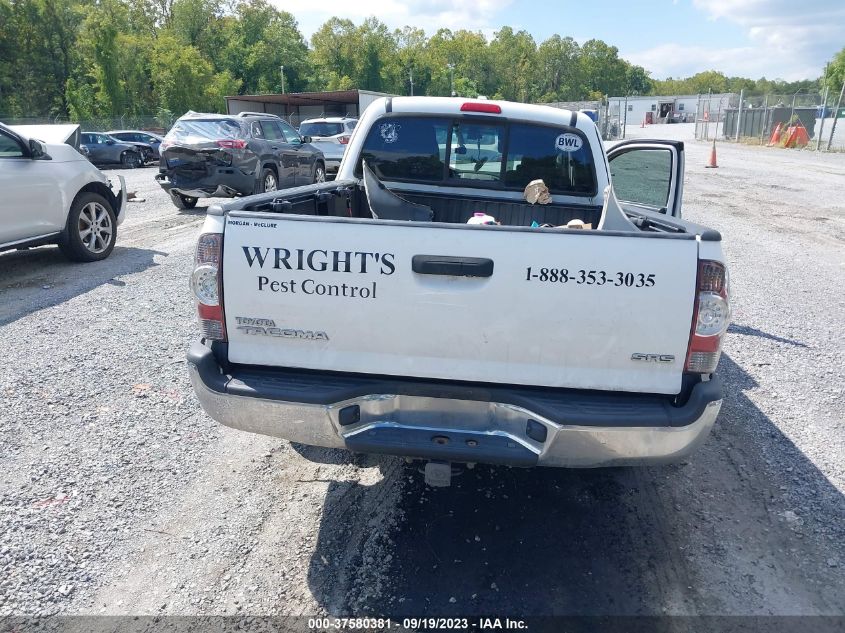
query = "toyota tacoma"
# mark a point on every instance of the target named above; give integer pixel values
(425, 305)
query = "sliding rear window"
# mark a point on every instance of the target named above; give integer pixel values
(407, 148)
(476, 152)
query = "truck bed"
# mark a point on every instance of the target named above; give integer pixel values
(347, 199)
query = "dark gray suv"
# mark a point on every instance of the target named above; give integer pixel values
(221, 155)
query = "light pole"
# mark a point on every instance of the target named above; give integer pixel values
(411, 77)
(283, 80)
(451, 68)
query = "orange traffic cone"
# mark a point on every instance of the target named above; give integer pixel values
(712, 162)
(776, 135)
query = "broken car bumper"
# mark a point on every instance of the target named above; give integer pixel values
(227, 185)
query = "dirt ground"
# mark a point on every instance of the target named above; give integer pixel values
(119, 496)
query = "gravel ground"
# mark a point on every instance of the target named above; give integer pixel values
(119, 496)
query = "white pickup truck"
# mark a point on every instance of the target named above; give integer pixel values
(367, 314)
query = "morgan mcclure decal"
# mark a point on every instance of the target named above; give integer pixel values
(319, 261)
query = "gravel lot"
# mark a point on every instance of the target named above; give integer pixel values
(118, 495)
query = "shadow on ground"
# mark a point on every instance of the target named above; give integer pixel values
(705, 536)
(38, 278)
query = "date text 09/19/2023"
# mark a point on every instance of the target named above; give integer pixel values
(417, 624)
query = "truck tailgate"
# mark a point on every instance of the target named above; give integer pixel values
(509, 305)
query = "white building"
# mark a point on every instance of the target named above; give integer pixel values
(634, 110)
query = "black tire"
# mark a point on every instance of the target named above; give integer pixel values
(319, 172)
(269, 181)
(184, 202)
(91, 229)
(131, 160)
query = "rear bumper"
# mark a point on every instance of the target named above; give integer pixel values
(224, 183)
(332, 164)
(460, 423)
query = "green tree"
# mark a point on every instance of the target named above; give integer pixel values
(514, 57)
(835, 73)
(603, 72)
(638, 80)
(184, 81)
(559, 71)
(333, 50)
(260, 41)
(410, 57)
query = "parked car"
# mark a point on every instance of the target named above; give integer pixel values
(607, 358)
(331, 135)
(221, 155)
(53, 195)
(105, 150)
(148, 139)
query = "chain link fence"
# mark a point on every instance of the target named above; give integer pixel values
(766, 119)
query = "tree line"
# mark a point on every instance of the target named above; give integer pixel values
(97, 58)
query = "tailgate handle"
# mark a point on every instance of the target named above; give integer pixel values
(452, 266)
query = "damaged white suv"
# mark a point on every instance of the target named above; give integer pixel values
(53, 195)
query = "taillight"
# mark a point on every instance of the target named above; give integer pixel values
(711, 316)
(231, 143)
(344, 139)
(207, 285)
(475, 106)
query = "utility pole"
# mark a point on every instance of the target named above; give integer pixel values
(283, 80)
(836, 116)
(738, 114)
(411, 77)
(451, 68)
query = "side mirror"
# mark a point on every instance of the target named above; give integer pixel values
(109, 142)
(305, 139)
(36, 149)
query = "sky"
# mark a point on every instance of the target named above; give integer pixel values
(778, 39)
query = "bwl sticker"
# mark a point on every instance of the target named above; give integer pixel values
(568, 142)
(389, 132)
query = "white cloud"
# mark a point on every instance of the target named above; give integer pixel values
(426, 14)
(786, 39)
(680, 60)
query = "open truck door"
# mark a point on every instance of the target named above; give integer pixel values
(648, 175)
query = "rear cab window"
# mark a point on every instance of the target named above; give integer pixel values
(485, 153)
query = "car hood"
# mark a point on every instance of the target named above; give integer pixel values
(59, 133)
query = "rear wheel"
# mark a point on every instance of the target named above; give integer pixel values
(184, 202)
(131, 160)
(91, 229)
(269, 182)
(319, 173)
